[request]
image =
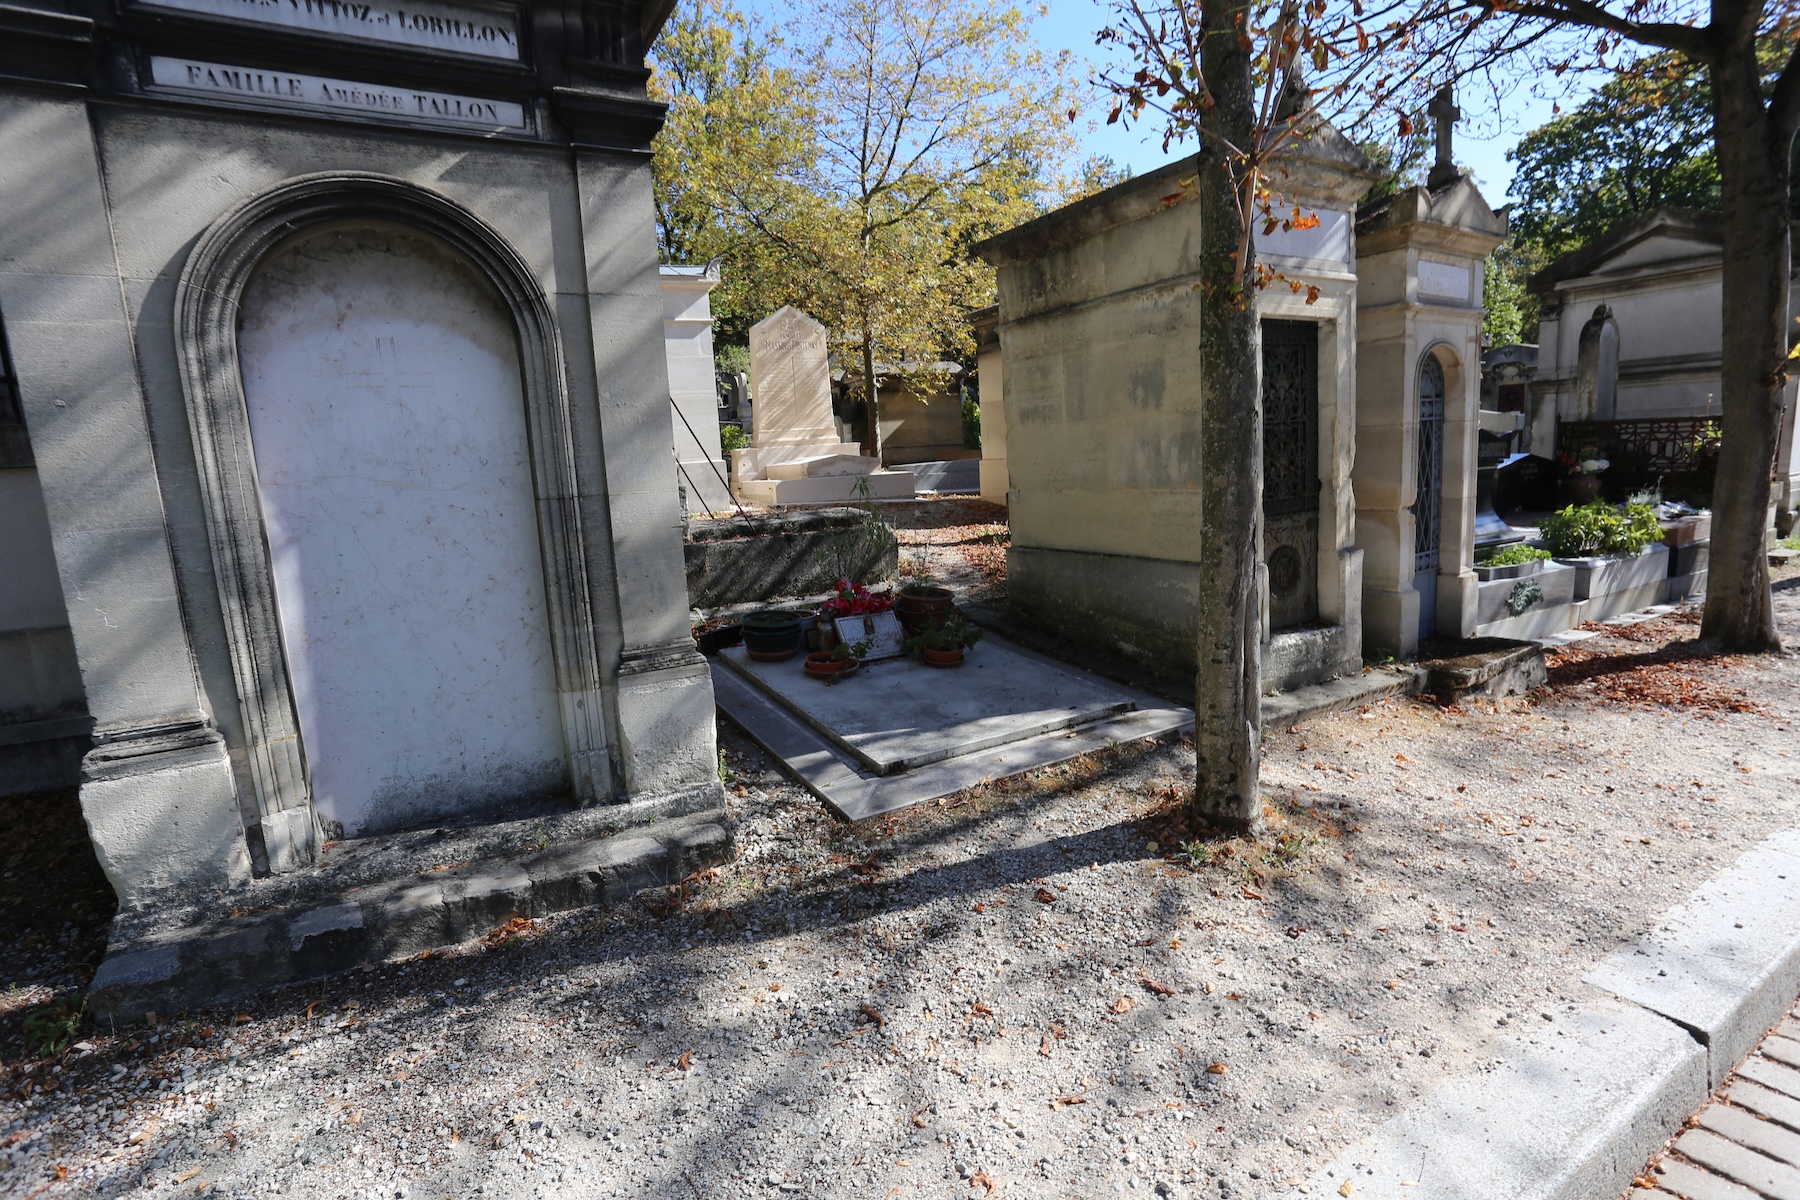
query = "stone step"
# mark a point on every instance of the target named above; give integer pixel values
(421, 903)
(1303, 704)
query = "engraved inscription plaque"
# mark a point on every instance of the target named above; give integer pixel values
(426, 25)
(288, 89)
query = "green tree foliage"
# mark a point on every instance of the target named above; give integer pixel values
(1642, 140)
(737, 110)
(846, 162)
(1512, 311)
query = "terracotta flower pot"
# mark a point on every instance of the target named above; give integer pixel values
(820, 665)
(1582, 489)
(944, 658)
(921, 605)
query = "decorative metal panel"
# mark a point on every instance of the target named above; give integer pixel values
(1427, 505)
(1675, 454)
(1290, 398)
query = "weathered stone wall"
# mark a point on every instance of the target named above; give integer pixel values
(741, 560)
(1100, 334)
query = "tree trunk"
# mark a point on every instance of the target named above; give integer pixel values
(1227, 690)
(1754, 174)
(872, 394)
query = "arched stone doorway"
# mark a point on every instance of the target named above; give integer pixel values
(387, 419)
(292, 264)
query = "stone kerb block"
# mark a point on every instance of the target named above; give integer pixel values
(792, 375)
(1605, 575)
(1725, 963)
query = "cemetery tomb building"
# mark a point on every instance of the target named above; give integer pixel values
(991, 382)
(335, 413)
(1631, 334)
(693, 388)
(1419, 266)
(1098, 327)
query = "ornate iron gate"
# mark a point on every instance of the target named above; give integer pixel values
(1428, 500)
(1290, 396)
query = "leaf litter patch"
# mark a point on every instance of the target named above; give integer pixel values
(1680, 672)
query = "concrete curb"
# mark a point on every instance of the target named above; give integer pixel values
(173, 970)
(1573, 1111)
(1725, 963)
(1570, 1113)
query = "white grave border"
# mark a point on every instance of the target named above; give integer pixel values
(212, 281)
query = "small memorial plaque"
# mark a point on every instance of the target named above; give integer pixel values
(314, 93)
(1443, 279)
(420, 25)
(881, 630)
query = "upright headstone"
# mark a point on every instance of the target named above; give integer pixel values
(792, 381)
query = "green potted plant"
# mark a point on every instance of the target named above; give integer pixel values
(841, 659)
(942, 643)
(1512, 562)
(1617, 552)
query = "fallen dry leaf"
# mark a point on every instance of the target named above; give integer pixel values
(1046, 896)
(187, 1175)
(978, 1009)
(1217, 1068)
(874, 1014)
(1122, 1004)
(686, 1060)
(1067, 1101)
(1044, 1046)
(1161, 989)
(984, 1179)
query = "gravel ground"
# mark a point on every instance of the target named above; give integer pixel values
(1008, 993)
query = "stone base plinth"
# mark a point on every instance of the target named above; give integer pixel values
(827, 489)
(393, 898)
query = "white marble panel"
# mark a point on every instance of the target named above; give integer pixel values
(1447, 280)
(386, 412)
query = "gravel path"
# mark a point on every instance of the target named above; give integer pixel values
(1007, 993)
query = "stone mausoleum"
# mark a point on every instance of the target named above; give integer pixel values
(1098, 327)
(1370, 408)
(338, 475)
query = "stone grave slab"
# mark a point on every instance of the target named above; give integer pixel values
(896, 715)
(995, 705)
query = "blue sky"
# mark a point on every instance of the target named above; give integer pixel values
(1482, 138)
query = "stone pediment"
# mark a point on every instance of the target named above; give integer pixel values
(1456, 207)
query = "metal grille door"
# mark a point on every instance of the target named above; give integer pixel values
(1290, 397)
(1427, 502)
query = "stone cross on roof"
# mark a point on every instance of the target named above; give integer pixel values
(1445, 113)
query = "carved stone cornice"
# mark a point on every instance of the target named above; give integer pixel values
(598, 120)
(44, 47)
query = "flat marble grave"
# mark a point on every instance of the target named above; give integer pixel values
(899, 732)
